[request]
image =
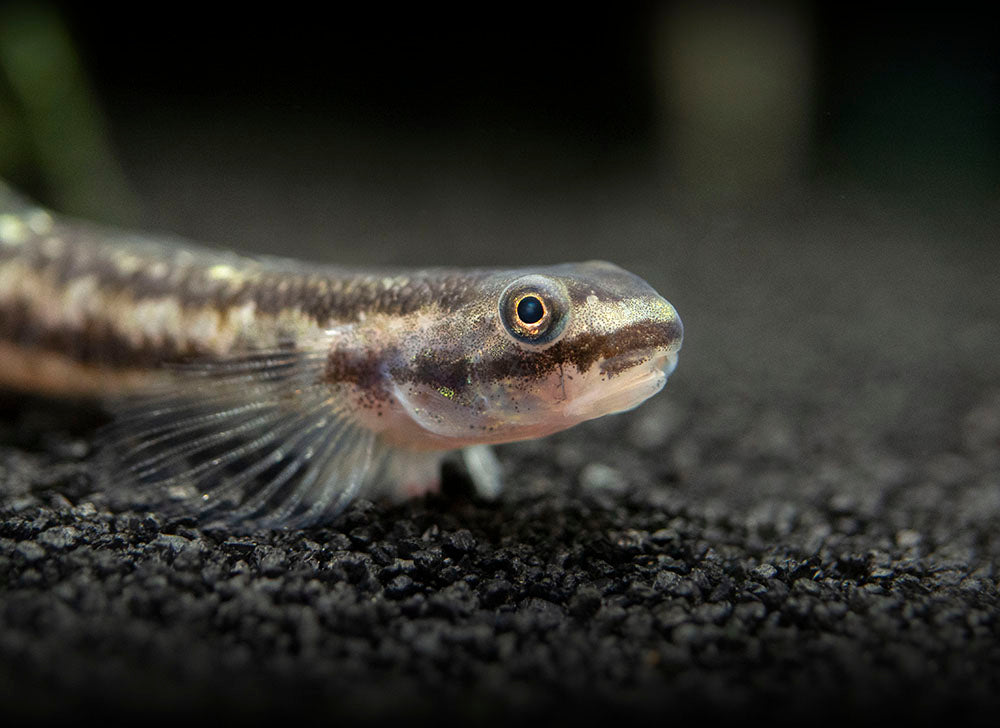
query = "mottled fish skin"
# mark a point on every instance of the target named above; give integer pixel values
(342, 380)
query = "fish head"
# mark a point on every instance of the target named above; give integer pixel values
(535, 351)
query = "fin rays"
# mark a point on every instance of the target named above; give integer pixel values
(257, 438)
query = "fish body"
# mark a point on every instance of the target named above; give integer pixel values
(273, 390)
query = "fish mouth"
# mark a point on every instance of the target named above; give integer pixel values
(622, 383)
(666, 362)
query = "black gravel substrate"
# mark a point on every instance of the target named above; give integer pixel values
(804, 525)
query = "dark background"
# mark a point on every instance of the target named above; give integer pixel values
(882, 96)
(805, 524)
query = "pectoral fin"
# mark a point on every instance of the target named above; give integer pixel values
(256, 438)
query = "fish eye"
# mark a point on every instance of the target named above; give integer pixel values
(530, 310)
(534, 309)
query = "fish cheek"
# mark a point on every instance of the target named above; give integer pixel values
(442, 410)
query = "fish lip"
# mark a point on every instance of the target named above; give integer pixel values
(665, 360)
(622, 365)
(640, 378)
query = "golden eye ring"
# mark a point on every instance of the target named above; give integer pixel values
(531, 315)
(534, 309)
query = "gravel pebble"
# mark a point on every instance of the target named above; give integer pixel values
(597, 477)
